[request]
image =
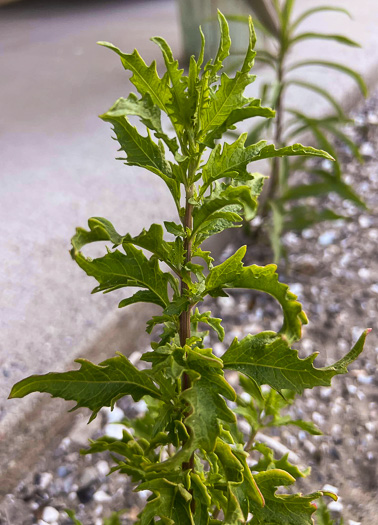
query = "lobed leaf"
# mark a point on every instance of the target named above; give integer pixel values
(116, 270)
(268, 359)
(92, 386)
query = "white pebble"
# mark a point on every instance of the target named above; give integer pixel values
(367, 149)
(374, 288)
(310, 447)
(114, 431)
(365, 380)
(352, 389)
(352, 522)
(364, 273)
(115, 415)
(370, 426)
(45, 480)
(335, 506)
(100, 496)
(218, 349)
(325, 392)
(330, 488)
(364, 221)
(103, 467)
(50, 515)
(326, 238)
(317, 418)
(140, 406)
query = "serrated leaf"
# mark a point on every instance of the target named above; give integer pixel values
(144, 78)
(170, 502)
(269, 462)
(265, 279)
(92, 386)
(116, 270)
(178, 107)
(224, 46)
(142, 151)
(270, 151)
(213, 322)
(208, 407)
(148, 112)
(282, 509)
(230, 161)
(269, 360)
(100, 229)
(225, 273)
(172, 253)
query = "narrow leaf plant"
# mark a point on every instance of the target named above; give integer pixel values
(188, 450)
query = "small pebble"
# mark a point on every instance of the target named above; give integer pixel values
(336, 506)
(50, 515)
(101, 496)
(103, 467)
(330, 488)
(326, 238)
(115, 415)
(113, 430)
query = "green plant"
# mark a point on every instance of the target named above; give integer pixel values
(290, 203)
(187, 449)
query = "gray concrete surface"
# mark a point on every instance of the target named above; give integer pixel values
(58, 169)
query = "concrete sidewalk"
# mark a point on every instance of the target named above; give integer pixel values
(58, 169)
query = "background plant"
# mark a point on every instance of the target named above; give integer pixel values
(291, 202)
(188, 449)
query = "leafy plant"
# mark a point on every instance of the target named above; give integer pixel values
(188, 449)
(288, 202)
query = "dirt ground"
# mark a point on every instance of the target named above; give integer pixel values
(333, 268)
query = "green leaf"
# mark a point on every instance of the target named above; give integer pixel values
(321, 91)
(92, 386)
(269, 462)
(269, 152)
(268, 359)
(71, 514)
(99, 230)
(231, 161)
(170, 502)
(252, 109)
(333, 65)
(116, 270)
(224, 45)
(285, 509)
(225, 274)
(172, 253)
(265, 279)
(143, 152)
(302, 217)
(178, 107)
(144, 78)
(213, 322)
(208, 407)
(229, 95)
(341, 39)
(148, 112)
(318, 9)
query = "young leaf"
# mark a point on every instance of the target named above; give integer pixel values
(341, 39)
(170, 502)
(99, 230)
(116, 270)
(142, 151)
(92, 386)
(265, 279)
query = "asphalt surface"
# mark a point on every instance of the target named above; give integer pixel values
(58, 167)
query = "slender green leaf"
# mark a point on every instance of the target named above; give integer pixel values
(317, 9)
(341, 39)
(334, 65)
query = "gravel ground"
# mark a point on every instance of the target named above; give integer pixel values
(333, 268)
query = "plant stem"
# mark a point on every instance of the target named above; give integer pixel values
(185, 316)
